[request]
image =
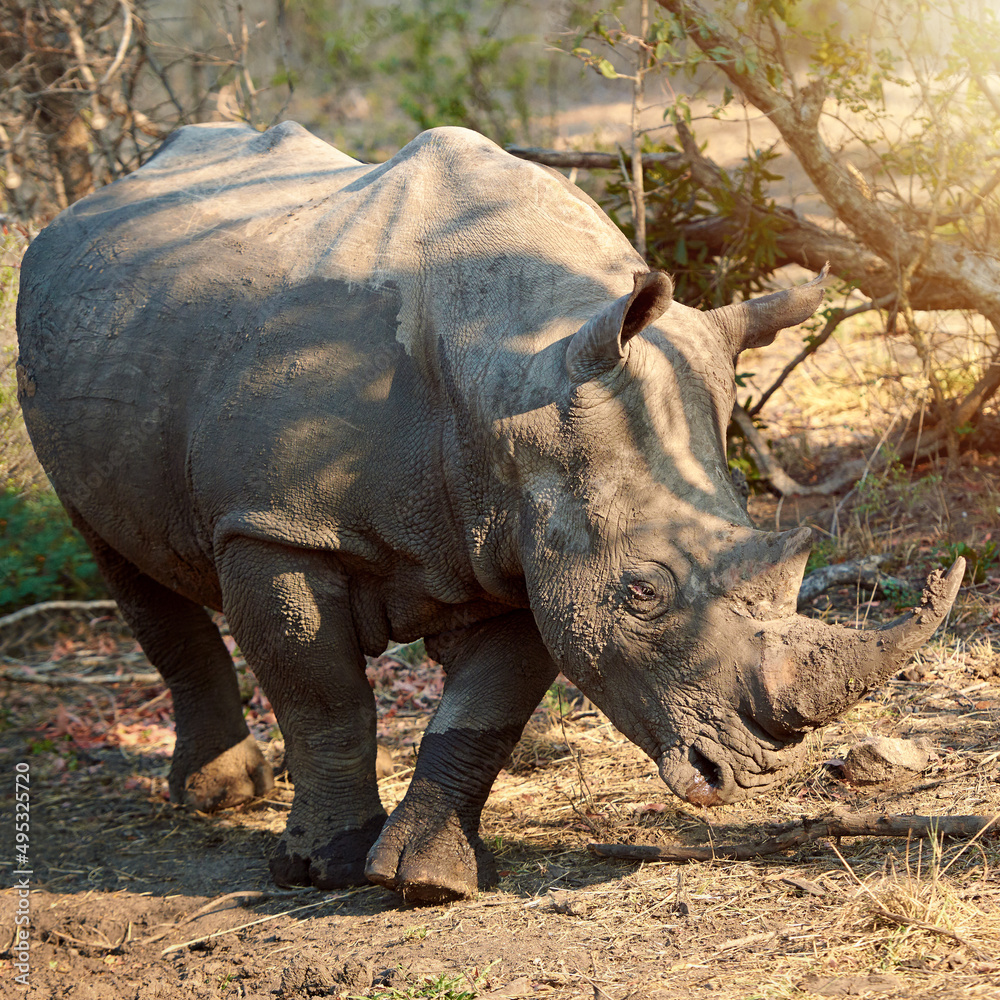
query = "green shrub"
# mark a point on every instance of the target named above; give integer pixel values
(42, 557)
(978, 562)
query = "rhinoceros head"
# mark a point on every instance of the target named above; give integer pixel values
(651, 586)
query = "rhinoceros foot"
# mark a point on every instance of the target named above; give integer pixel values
(234, 776)
(429, 857)
(332, 863)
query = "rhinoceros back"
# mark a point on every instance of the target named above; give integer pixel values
(250, 329)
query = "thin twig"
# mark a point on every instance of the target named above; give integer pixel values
(263, 920)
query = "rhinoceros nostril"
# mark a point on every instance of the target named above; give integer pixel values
(709, 769)
(706, 788)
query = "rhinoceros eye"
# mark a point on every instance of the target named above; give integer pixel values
(644, 599)
(651, 593)
(642, 591)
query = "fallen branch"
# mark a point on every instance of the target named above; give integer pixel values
(568, 159)
(97, 607)
(864, 571)
(914, 445)
(792, 835)
(776, 475)
(28, 676)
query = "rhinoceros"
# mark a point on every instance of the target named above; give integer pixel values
(443, 396)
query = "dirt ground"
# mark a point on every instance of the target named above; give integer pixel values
(134, 898)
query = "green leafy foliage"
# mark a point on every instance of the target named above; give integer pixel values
(42, 557)
(451, 63)
(901, 597)
(740, 455)
(678, 208)
(464, 986)
(979, 562)
(605, 28)
(893, 489)
(824, 552)
(411, 653)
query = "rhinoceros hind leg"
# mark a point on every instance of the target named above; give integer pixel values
(430, 850)
(216, 762)
(236, 775)
(290, 612)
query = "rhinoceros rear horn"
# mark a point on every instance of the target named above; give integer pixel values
(756, 322)
(599, 344)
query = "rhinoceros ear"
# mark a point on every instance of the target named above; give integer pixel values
(599, 344)
(756, 322)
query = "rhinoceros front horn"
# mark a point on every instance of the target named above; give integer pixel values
(811, 671)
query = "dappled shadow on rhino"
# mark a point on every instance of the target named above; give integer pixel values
(439, 397)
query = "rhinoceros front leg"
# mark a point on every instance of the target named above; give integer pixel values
(430, 849)
(289, 611)
(216, 761)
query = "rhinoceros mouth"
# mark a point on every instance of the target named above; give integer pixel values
(706, 773)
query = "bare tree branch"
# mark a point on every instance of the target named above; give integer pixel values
(85, 101)
(975, 276)
(797, 240)
(776, 475)
(636, 183)
(122, 45)
(567, 159)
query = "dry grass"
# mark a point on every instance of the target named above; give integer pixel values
(930, 915)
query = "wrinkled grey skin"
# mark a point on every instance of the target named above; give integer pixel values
(440, 397)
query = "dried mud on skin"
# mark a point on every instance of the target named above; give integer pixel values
(134, 898)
